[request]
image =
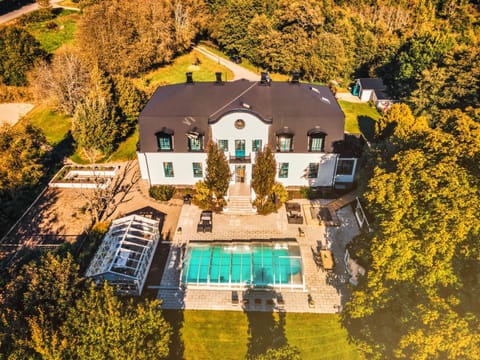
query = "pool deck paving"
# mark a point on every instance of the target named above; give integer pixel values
(327, 290)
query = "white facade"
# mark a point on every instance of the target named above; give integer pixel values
(298, 169)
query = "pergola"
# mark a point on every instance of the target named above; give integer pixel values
(125, 254)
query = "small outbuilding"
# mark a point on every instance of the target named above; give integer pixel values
(126, 253)
(373, 89)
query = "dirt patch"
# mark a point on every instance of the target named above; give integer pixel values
(59, 216)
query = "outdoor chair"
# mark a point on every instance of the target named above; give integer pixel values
(200, 227)
(234, 297)
(207, 226)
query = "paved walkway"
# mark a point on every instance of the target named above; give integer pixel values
(239, 72)
(346, 96)
(29, 8)
(328, 291)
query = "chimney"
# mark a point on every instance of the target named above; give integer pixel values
(189, 77)
(218, 76)
(265, 79)
(295, 77)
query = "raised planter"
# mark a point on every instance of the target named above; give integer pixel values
(84, 177)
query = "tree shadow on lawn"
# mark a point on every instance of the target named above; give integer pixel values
(266, 329)
(367, 126)
(177, 347)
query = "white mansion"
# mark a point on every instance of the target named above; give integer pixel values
(302, 123)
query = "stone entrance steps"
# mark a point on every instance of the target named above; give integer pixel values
(239, 205)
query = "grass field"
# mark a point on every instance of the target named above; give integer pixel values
(54, 125)
(127, 150)
(61, 34)
(360, 117)
(232, 334)
(175, 72)
(69, 3)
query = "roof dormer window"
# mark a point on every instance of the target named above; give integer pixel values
(195, 140)
(165, 140)
(316, 140)
(285, 141)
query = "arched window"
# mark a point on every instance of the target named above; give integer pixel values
(165, 140)
(316, 140)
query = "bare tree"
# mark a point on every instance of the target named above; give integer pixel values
(102, 201)
(65, 81)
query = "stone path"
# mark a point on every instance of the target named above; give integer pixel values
(12, 112)
(29, 8)
(346, 96)
(239, 72)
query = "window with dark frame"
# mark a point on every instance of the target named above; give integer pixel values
(256, 145)
(283, 170)
(195, 144)
(164, 141)
(168, 169)
(197, 170)
(223, 144)
(284, 143)
(345, 166)
(312, 170)
(316, 142)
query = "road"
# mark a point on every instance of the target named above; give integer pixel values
(238, 71)
(26, 9)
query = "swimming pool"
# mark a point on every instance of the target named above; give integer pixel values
(237, 264)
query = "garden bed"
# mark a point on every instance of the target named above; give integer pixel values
(84, 177)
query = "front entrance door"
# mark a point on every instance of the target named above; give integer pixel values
(239, 148)
(239, 173)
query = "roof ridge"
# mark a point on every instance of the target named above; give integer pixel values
(228, 103)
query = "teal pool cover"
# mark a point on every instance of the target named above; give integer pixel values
(257, 264)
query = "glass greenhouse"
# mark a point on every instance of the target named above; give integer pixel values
(125, 254)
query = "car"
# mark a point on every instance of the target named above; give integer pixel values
(237, 59)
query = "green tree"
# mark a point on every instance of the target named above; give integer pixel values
(422, 257)
(130, 102)
(418, 54)
(116, 328)
(23, 150)
(263, 175)
(42, 292)
(93, 128)
(18, 52)
(217, 175)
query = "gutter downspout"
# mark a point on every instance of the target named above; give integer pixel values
(335, 171)
(148, 170)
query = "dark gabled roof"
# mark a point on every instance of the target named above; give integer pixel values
(372, 83)
(300, 107)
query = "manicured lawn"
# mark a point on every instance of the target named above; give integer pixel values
(175, 72)
(232, 334)
(63, 33)
(127, 150)
(54, 125)
(359, 117)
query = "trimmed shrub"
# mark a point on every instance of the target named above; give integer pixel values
(162, 192)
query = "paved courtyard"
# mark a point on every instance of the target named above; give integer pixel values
(328, 291)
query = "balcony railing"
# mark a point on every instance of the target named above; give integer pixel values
(239, 159)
